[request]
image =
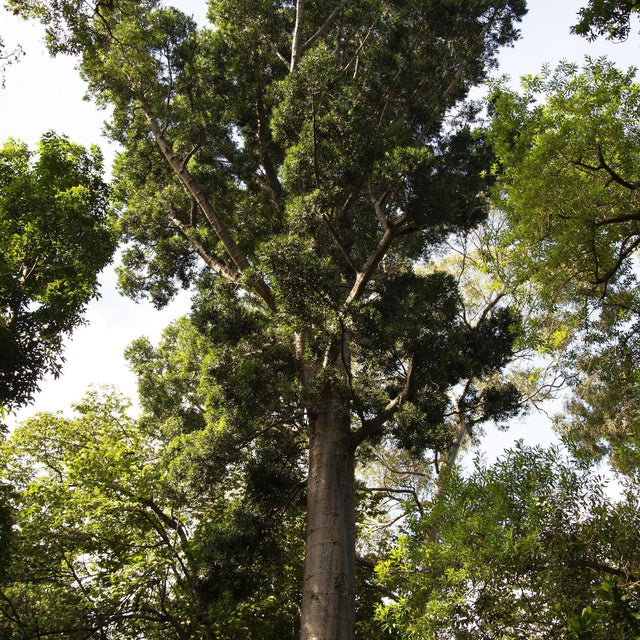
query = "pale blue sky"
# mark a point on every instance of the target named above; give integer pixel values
(43, 93)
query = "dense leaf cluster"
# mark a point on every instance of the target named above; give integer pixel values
(530, 547)
(55, 238)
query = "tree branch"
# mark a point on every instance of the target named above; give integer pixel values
(385, 591)
(191, 186)
(616, 177)
(296, 45)
(411, 492)
(372, 426)
(220, 267)
(336, 238)
(325, 25)
(275, 50)
(629, 217)
(174, 525)
(624, 253)
(365, 275)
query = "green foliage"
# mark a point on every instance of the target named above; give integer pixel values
(528, 548)
(285, 182)
(615, 615)
(7, 58)
(55, 237)
(567, 149)
(567, 179)
(601, 418)
(610, 18)
(112, 537)
(294, 165)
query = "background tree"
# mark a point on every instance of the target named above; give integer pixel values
(7, 58)
(569, 156)
(55, 238)
(309, 155)
(114, 538)
(530, 547)
(610, 18)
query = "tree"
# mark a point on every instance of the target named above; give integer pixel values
(112, 539)
(97, 538)
(568, 148)
(530, 547)
(55, 238)
(610, 18)
(308, 155)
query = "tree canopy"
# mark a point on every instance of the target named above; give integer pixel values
(610, 18)
(568, 149)
(55, 237)
(530, 547)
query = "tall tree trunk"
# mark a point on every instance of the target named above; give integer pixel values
(328, 586)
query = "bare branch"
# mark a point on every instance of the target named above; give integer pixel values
(296, 45)
(275, 50)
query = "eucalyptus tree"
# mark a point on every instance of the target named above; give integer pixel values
(56, 236)
(306, 156)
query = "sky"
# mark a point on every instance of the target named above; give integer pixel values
(42, 93)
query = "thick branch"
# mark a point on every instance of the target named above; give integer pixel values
(616, 177)
(629, 217)
(372, 263)
(296, 45)
(491, 305)
(221, 268)
(189, 183)
(370, 427)
(174, 525)
(378, 205)
(275, 50)
(461, 432)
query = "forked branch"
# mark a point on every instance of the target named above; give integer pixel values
(373, 426)
(216, 265)
(194, 190)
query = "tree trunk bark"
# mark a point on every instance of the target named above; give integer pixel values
(328, 584)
